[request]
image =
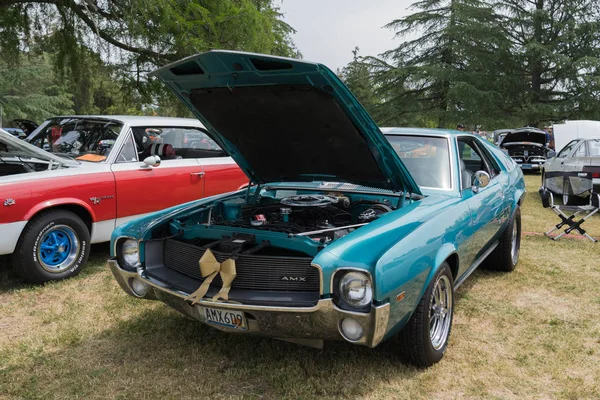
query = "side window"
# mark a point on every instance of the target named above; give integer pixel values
(594, 148)
(175, 143)
(567, 149)
(580, 152)
(472, 159)
(128, 152)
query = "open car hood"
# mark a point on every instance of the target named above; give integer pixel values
(286, 120)
(10, 146)
(26, 125)
(525, 135)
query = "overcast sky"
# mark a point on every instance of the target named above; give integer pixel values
(328, 30)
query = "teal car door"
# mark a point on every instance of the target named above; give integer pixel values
(487, 206)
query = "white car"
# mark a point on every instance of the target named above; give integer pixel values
(568, 172)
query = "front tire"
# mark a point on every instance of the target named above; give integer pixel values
(53, 246)
(565, 196)
(543, 179)
(424, 339)
(506, 256)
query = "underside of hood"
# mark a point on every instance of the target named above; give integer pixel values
(532, 135)
(286, 120)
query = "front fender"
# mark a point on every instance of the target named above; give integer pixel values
(406, 269)
(58, 202)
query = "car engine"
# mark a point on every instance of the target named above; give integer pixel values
(325, 217)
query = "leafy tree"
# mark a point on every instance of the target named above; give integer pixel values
(31, 90)
(555, 45)
(135, 36)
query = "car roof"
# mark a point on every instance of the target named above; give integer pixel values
(422, 131)
(141, 119)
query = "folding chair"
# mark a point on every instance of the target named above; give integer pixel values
(584, 184)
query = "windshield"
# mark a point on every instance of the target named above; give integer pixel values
(85, 139)
(567, 149)
(427, 159)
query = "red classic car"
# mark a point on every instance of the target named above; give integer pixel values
(96, 173)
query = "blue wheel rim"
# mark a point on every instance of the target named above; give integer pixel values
(58, 249)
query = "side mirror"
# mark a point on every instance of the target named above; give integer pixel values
(551, 154)
(480, 180)
(152, 161)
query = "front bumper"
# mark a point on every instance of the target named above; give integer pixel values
(304, 325)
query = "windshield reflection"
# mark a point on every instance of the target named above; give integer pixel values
(85, 139)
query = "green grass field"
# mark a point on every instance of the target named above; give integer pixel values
(534, 333)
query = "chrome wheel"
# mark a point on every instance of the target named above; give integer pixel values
(515, 243)
(58, 249)
(440, 312)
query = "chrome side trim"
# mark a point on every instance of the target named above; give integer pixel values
(475, 265)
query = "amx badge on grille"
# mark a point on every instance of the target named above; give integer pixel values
(294, 278)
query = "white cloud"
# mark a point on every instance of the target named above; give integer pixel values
(328, 30)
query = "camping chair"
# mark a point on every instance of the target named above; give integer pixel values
(583, 183)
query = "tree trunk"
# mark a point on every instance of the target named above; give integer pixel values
(536, 62)
(447, 62)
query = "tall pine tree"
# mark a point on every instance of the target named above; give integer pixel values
(442, 73)
(555, 46)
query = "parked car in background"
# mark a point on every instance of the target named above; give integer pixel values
(347, 234)
(570, 130)
(562, 174)
(498, 135)
(26, 125)
(527, 146)
(16, 132)
(99, 172)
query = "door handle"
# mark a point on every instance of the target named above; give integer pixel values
(200, 174)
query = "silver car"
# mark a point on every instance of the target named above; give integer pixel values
(568, 173)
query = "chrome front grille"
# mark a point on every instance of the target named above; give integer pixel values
(254, 272)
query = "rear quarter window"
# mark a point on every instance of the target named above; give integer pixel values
(504, 159)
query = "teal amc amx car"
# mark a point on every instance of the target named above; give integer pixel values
(343, 233)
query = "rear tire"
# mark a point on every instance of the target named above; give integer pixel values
(53, 246)
(424, 339)
(506, 256)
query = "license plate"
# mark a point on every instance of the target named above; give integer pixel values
(526, 166)
(228, 318)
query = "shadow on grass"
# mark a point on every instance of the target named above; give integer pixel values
(160, 353)
(10, 280)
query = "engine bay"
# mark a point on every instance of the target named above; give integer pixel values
(329, 216)
(321, 217)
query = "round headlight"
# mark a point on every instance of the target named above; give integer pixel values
(356, 290)
(130, 253)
